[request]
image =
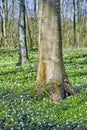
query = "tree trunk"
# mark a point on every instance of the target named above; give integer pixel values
(6, 12)
(78, 10)
(28, 28)
(34, 8)
(3, 23)
(74, 22)
(23, 52)
(51, 72)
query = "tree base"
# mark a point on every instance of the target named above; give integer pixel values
(22, 62)
(57, 92)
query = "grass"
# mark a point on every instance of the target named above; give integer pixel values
(20, 109)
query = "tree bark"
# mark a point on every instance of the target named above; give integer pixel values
(6, 11)
(51, 72)
(78, 10)
(3, 23)
(74, 22)
(23, 51)
(34, 8)
(28, 28)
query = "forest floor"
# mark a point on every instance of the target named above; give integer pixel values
(20, 109)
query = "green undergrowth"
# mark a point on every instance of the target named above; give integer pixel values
(20, 108)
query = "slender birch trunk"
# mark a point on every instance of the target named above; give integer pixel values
(23, 51)
(3, 23)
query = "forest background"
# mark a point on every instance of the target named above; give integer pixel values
(20, 108)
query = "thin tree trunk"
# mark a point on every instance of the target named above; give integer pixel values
(78, 10)
(6, 11)
(28, 28)
(3, 23)
(12, 22)
(12, 9)
(74, 23)
(34, 8)
(23, 51)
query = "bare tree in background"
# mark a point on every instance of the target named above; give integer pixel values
(74, 22)
(6, 3)
(34, 8)
(23, 51)
(3, 23)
